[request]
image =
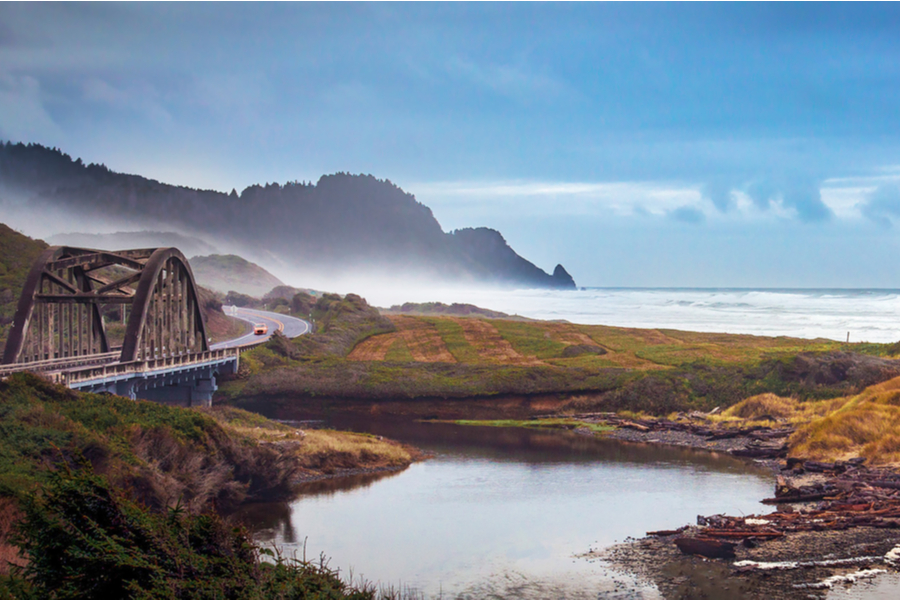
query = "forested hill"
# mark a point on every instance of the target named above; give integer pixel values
(346, 222)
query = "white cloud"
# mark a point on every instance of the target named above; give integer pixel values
(139, 97)
(23, 115)
(844, 197)
(515, 81)
(559, 198)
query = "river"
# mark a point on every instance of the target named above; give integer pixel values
(505, 513)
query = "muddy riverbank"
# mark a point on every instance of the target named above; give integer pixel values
(835, 525)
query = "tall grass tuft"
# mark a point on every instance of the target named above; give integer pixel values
(866, 425)
(762, 405)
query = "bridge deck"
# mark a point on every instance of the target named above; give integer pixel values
(106, 372)
(77, 377)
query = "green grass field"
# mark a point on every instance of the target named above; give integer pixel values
(651, 370)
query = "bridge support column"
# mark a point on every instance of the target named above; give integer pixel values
(193, 385)
(203, 390)
(126, 388)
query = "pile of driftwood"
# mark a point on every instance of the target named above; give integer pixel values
(854, 496)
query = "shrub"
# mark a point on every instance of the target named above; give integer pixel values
(162, 452)
(85, 540)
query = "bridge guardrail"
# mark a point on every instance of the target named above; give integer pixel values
(98, 366)
(75, 376)
(58, 364)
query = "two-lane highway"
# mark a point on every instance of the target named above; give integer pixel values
(289, 326)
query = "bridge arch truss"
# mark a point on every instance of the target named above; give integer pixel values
(59, 313)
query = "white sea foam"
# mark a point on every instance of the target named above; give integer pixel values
(868, 315)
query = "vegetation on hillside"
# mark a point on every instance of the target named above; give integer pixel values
(340, 324)
(356, 222)
(163, 454)
(598, 367)
(439, 308)
(226, 273)
(167, 454)
(109, 494)
(17, 253)
(84, 539)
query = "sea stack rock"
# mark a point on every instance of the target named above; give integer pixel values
(562, 279)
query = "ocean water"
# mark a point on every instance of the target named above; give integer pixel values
(867, 315)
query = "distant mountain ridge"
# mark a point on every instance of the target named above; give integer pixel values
(342, 223)
(232, 273)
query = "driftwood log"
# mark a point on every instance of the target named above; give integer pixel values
(705, 547)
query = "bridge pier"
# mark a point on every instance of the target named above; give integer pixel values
(193, 389)
(184, 385)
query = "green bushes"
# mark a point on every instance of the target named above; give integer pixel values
(85, 540)
(341, 323)
(337, 378)
(162, 453)
(704, 386)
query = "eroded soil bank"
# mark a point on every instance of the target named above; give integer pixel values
(495, 407)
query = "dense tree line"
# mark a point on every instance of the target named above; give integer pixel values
(342, 219)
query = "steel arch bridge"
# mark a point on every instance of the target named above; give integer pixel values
(59, 312)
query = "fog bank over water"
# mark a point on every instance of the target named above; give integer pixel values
(868, 315)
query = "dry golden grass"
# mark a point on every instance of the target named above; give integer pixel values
(491, 346)
(764, 404)
(320, 450)
(756, 410)
(375, 347)
(333, 447)
(866, 425)
(422, 339)
(419, 337)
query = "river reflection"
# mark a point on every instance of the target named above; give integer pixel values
(503, 512)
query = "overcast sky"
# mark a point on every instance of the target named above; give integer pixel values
(637, 144)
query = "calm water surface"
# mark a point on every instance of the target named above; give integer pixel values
(505, 512)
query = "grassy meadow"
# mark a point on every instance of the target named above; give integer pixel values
(357, 354)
